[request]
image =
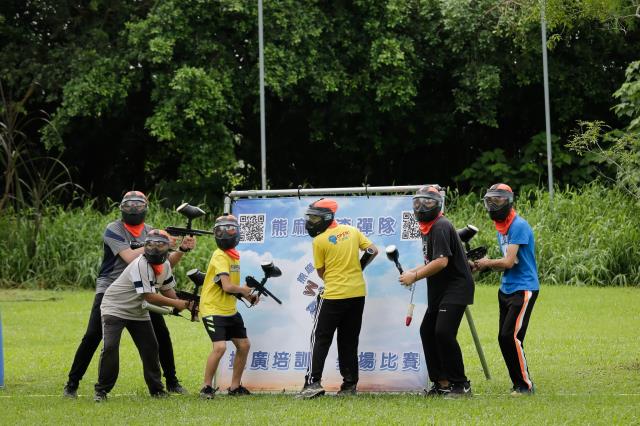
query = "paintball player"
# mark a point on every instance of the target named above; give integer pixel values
(450, 290)
(519, 287)
(336, 251)
(122, 241)
(218, 309)
(122, 307)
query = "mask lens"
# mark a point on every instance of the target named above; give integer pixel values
(495, 203)
(133, 206)
(159, 245)
(424, 204)
(313, 219)
(226, 231)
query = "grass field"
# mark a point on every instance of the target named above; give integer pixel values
(582, 347)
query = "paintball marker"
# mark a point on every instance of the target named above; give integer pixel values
(191, 212)
(259, 289)
(394, 256)
(197, 278)
(466, 234)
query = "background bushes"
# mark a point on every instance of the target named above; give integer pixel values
(585, 237)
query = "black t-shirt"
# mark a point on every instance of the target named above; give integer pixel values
(454, 284)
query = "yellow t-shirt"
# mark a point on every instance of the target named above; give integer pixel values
(213, 299)
(338, 251)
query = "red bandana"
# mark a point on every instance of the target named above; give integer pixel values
(503, 225)
(233, 253)
(157, 269)
(425, 227)
(135, 230)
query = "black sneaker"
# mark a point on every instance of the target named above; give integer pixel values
(176, 388)
(70, 391)
(436, 390)
(240, 390)
(518, 391)
(347, 390)
(311, 391)
(100, 396)
(160, 394)
(459, 390)
(208, 392)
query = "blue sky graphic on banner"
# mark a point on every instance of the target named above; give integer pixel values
(390, 354)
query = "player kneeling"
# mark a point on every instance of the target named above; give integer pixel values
(218, 309)
(122, 307)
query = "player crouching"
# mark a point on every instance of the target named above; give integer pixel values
(122, 307)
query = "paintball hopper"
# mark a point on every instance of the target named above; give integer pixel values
(270, 270)
(394, 256)
(196, 276)
(467, 233)
(189, 211)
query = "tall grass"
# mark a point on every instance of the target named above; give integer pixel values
(69, 247)
(589, 236)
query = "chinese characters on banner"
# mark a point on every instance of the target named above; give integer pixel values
(390, 354)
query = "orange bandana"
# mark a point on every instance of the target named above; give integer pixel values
(157, 269)
(233, 253)
(425, 227)
(503, 225)
(135, 230)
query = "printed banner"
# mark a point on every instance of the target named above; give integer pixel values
(390, 353)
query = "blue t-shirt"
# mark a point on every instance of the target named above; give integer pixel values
(524, 273)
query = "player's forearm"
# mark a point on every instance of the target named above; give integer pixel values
(160, 300)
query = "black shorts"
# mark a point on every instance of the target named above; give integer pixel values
(222, 328)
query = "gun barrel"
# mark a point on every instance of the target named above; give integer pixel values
(180, 232)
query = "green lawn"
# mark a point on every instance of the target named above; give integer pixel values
(582, 348)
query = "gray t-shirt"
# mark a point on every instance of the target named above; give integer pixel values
(123, 298)
(115, 239)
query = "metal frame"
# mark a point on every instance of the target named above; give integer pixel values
(364, 190)
(299, 192)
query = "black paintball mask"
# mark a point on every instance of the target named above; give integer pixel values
(227, 232)
(133, 207)
(156, 247)
(498, 201)
(427, 203)
(319, 216)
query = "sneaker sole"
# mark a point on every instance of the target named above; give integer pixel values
(310, 396)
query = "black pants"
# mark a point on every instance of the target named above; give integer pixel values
(345, 315)
(515, 311)
(93, 336)
(442, 352)
(145, 340)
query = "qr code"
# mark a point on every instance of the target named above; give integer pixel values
(410, 229)
(252, 227)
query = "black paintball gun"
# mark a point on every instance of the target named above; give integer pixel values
(197, 278)
(258, 287)
(466, 234)
(191, 212)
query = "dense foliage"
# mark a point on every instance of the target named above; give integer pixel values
(591, 237)
(151, 94)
